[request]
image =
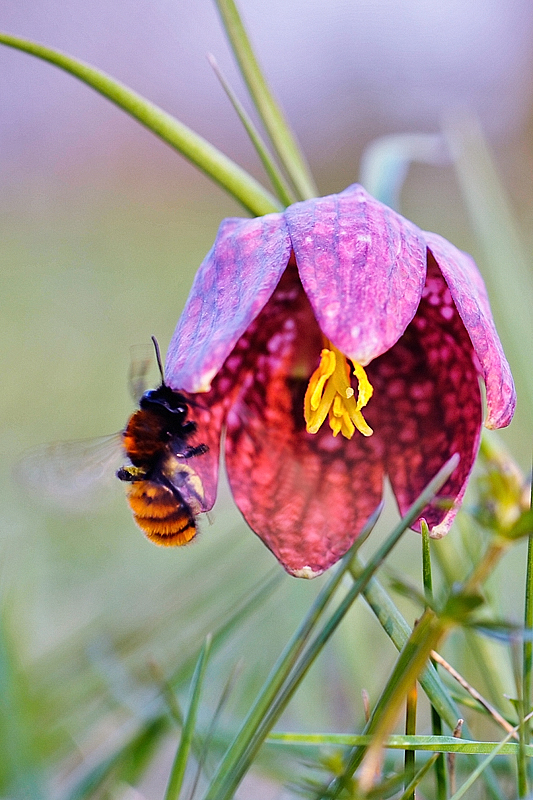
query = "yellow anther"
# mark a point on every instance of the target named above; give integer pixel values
(330, 394)
(324, 372)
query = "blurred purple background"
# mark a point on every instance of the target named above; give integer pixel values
(344, 71)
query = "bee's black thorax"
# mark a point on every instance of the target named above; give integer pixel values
(158, 431)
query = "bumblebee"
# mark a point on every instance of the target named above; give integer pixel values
(163, 490)
(155, 441)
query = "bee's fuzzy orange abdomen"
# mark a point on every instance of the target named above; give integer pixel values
(158, 514)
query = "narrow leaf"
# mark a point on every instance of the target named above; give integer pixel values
(280, 672)
(419, 743)
(278, 181)
(281, 136)
(180, 762)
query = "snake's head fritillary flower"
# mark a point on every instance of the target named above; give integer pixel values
(337, 343)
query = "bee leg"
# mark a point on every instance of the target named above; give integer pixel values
(195, 451)
(188, 427)
(131, 474)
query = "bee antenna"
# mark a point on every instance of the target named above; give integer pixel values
(158, 359)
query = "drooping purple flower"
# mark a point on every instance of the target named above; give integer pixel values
(336, 308)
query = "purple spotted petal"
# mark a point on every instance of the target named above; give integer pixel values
(362, 266)
(427, 403)
(470, 296)
(234, 282)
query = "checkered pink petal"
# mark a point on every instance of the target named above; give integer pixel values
(362, 267)
(234, 282)
(470, 297)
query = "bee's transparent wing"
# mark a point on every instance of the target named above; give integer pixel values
(141, 361)
(71, 476)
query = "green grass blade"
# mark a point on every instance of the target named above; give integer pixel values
(221, 169)
(419, 743)
(230, 774)
(277, 127)
(279, 183)
(281, 670)
(440, 765)
(426, 562)
(399, 631)
(182, 755)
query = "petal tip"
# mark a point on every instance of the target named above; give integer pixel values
(305, 572)
(501, 417)
(440, 530)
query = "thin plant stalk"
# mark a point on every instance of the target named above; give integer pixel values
(274, 121)
(436, 721)
(182, 754)
(279, 183)
(422, 772)
(410, 730)
(236, 762)
(527, 649)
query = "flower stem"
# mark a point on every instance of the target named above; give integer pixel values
(528, 625)
(271, 168)
(436, 721)
(221, 169)
(410, 730)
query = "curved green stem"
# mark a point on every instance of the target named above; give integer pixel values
(278, 181)
(236, 181)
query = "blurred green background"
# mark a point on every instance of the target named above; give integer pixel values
(102, 228)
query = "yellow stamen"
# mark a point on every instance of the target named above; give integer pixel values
(330, 394)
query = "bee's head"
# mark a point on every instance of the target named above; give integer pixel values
(165, 399)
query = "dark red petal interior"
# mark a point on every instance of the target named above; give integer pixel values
(427, 401)
(306, 496)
